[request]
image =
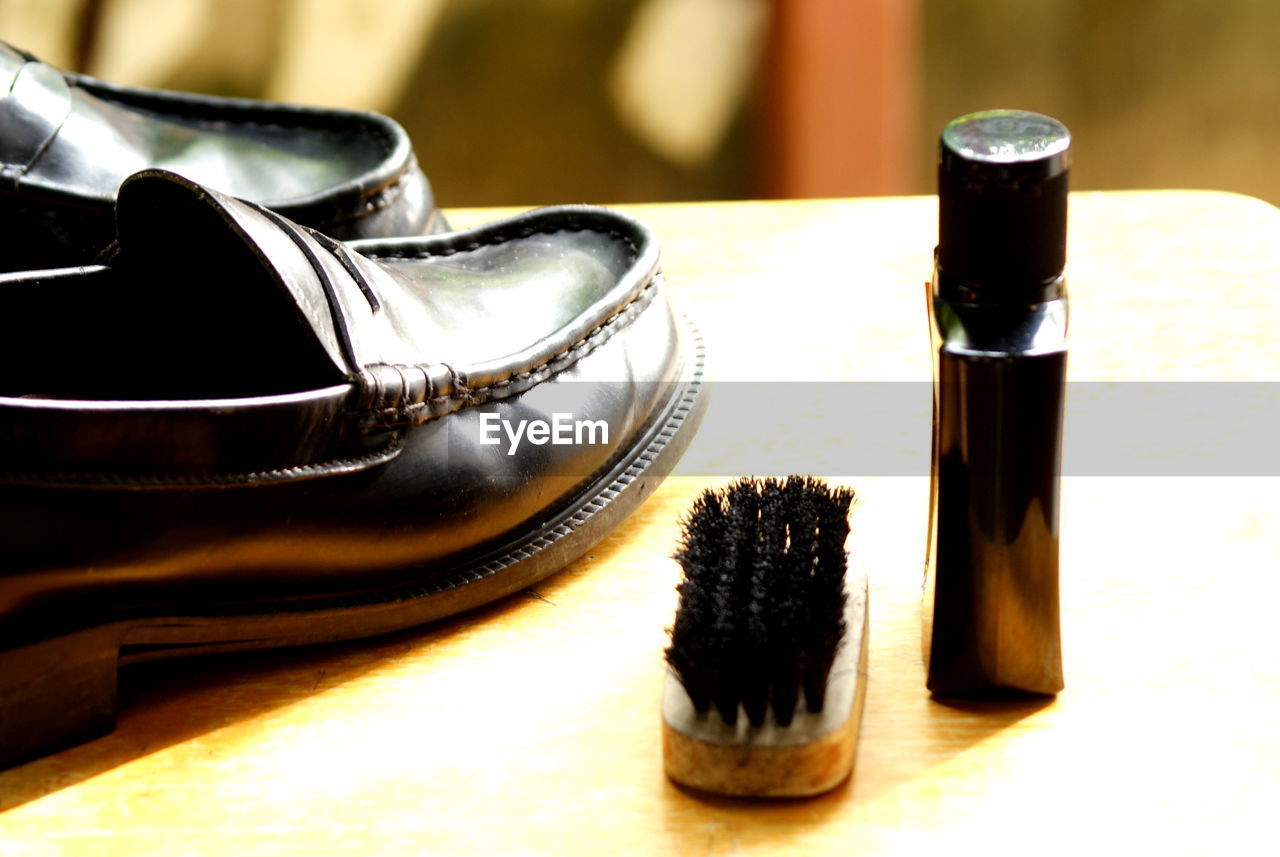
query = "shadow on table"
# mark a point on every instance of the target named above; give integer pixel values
(165, 703)
(701, 823)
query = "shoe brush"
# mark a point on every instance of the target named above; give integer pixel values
(768, 651)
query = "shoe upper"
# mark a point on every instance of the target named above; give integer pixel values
(233, 397)
(70, 140)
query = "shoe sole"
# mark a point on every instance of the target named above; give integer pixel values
(60, 692)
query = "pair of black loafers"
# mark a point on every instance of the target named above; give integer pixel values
(222, 429)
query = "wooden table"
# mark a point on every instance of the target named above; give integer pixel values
(532, 726)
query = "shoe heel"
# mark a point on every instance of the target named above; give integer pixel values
(58, 692)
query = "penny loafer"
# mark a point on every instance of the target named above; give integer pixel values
(239, 433)
(67, 141)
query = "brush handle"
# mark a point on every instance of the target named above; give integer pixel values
(814, 754)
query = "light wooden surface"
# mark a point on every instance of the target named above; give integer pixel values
(533, 726)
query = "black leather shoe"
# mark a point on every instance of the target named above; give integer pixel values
(67, 141)
(240, 433)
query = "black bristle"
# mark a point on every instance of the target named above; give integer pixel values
(742, 506)
(788, 611)
(827, 594)
(771, 543)
(760, 613)
(694, 648)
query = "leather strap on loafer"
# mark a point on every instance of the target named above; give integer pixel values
(348, 352)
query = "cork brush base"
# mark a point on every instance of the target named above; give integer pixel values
(812, 755)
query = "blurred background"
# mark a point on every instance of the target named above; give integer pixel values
(524, 102)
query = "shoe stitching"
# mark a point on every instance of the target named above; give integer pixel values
(217, 109)
(394, 410)
(375, 200)
(502, 237)
(379, 200)
(463, 396)
(248, 114)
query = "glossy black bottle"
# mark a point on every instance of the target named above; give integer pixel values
(998, 318)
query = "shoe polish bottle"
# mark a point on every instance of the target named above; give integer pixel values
(998, 319)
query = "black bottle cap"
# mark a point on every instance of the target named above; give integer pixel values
(1002, 202)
